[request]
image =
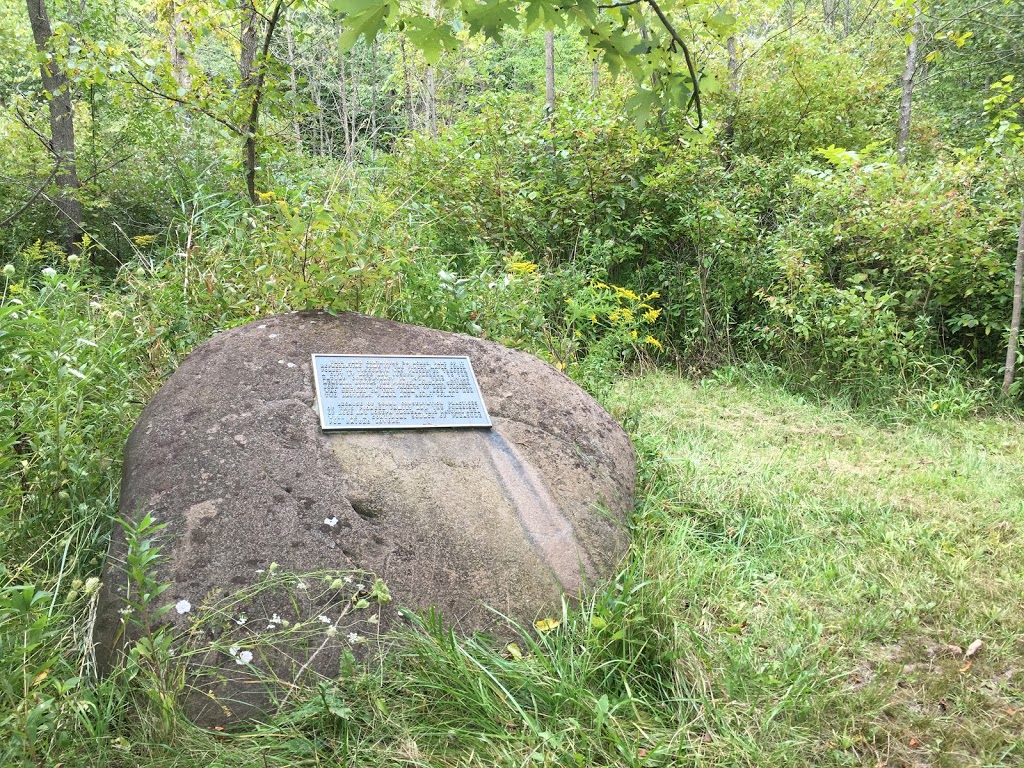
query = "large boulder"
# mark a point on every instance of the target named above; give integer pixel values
(281, 543)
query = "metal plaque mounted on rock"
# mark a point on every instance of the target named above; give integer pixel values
(397, 392)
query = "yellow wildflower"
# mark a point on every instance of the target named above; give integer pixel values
(653, 342)
(626, 293)
(651, 315)
(522, 267)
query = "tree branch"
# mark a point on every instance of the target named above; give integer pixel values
(186, 103)
(32, 199)
(678, 41)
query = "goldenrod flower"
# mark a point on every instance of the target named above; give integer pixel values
(522, 267)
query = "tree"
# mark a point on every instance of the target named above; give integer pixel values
(660, 63)
(61, 144)
(907, 82)
(1006, 139)
(549, 71)
(235, 103)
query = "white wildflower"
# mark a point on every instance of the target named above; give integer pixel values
(332, 631)
(348, 579)
(234, 649)
(301, 585)
(324, 619)
(242, 618)
(354, 637)
(183, 606)
(8, 270)
(49, 272)
(330, 521)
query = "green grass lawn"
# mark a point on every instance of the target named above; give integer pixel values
(834, 574)
(803, 590)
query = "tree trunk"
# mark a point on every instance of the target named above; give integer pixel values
(549, 71)
(1018, 289)
(373, 101)
(595, 77)
(907, 92)
(408, 87)
(247, 42)
(62, 128)
(253, 74)
(343, 107)
(734, 87)
(178, 34)
(294, 82)
(431, 101)
(828, 10)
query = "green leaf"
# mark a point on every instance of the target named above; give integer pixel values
(431, 38)
(543, 13)
(640, 105)
(721, 23)
(363, 18)
(490, 17)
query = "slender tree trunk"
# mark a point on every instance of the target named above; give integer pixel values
(373, 101)
(408, 86)
(294, 82)
(828, 10)
(595, 77)
(343, 107)
(62, 128)
(549, 71)
(431, 101)
(907, 92)
(247, 42)
(178, 35)
(1015, 312)
(253, 74)
(734, 87)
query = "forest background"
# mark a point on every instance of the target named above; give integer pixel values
(836, 208)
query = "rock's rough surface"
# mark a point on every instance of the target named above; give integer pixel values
(230, 456)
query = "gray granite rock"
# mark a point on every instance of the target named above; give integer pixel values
(230, 458)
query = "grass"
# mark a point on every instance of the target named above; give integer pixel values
(830, 566)
(802, 590)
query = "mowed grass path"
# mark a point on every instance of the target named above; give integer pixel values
(832, 575)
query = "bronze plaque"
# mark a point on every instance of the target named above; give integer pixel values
(397, 392)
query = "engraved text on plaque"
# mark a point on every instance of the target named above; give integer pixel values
(397, 392)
